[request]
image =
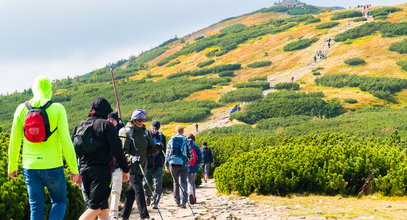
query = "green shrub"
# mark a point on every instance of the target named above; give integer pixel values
(287, 85)
(284, 104)
(234, 28)
(205, 63)
(258, 78)
(384, 11)
(317, 73)
(355, 61)
(350, 101)
(174, 63)
(314, 20)
(243, 95)
(346, 14)
(272, 9)
(200, 37)
(399, 47)
(327, 25)
(387, 29)
(254, 84)
(226, 74)
(300, 44)
(273, 123)
(212, 70)
(403, 64)
(381, 87)
(384, 17)
(360, 19)
(211, 53)
(327, 164)
(259, 64)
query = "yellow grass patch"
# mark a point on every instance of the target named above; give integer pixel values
(208, 94)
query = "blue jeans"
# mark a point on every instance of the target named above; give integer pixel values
(54, 180)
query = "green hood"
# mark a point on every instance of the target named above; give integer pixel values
(42, 88)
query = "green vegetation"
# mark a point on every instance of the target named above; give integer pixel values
(174, 63)
(205, 63)
(14, 196)
(146, 56)
(399, 47)
(284, 104)
(212, 70)
(307, 9)
(315, 20)
(384, 11)
(274, 123)
(254, 84)
(327, 25)
(272, 9)
(381, 87)
(350, 101)
(287, 86)
(226, 74)
(360, 19)
(316, 73)
(355, 61)
(346, 14)
(258, 78)
(327, 164)
(259, 64)
(300, 44)
(242, 95)
(387, 29)
(234, 28)
(403, 64)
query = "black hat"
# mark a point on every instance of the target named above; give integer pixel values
(100, 108)
(205, 143)
(156, 125)
(114, 115)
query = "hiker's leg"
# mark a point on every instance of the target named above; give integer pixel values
(117, 181)
(158, 184)
(129, 201)
(183, 173)
(36, 194)
(54, 180)
(175, 179)
(90, 214)
(149, 177)
(137, 184)
(191, 183)
(104, 214)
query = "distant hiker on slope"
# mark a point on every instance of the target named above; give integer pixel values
(178, 155)
(96, 145)
(193, 168)
(43, 149)
(155, 165)
(137, 144)
(207, 160)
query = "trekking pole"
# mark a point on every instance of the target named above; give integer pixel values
(115, 93)
(149, 187)
(183, 192)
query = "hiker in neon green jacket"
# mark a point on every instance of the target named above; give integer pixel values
(43, 162)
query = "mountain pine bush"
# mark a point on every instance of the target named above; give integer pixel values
(287, 86)
(254, 84)
(384, 11)
(399, 47)
(403, 64)
(242, 95)
(355, 61)
(259, 64)
(300, 44)
(346, 14)
(205, 63)
(327, 25)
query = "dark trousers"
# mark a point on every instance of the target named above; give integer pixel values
(135, 192)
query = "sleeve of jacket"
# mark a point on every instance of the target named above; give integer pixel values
(199, 154)
(116, 147)
(168, 152)
(126, 144)
(152, 148)
(16, 139)
(211, 155)
(189, 151)
(68, 149)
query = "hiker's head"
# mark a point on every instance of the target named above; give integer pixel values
(205, 144)
(114, 118)
(179, 129)
(138, 117)
(155, 126)
(42, 87)
(100, 108)
(191, 136)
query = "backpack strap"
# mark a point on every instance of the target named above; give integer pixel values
(28, 105)
(46, 105)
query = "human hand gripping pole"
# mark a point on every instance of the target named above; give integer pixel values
(13, 175)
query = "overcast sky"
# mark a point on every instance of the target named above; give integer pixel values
(72, 37)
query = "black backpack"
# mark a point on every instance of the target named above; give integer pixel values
(84, 139)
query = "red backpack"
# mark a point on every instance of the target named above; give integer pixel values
(36, 123)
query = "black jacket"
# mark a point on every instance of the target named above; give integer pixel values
(207, 156)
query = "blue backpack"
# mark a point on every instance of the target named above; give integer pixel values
(179, 151)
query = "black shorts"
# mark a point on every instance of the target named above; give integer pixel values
(96, 182)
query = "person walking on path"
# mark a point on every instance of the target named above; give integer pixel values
(155, 165)
(207, 160)
(137, 144)
(117, 180)
(193, 168)
(42, 161)
(196, 127)
(96, 164)
(178, 155)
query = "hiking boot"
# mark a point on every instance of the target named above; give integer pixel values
(191, 198)
(154, 206)
(183, 206)
(148, 201)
